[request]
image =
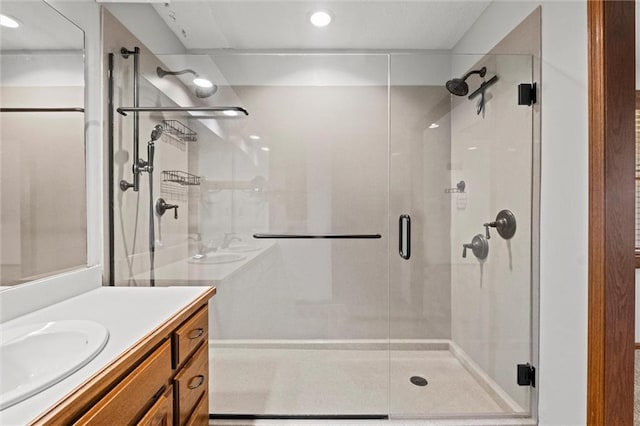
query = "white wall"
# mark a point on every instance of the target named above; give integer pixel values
(564, 197)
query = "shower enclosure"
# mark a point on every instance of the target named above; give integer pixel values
(332, 219)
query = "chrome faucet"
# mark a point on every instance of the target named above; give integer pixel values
(228, 239)
(204, 249)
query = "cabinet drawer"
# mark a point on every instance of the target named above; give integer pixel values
(161, 414)
(200, 415)
(124, 403)
(189, 335)
(191, 383)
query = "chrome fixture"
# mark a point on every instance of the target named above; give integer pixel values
(226, 111)
(228, 239)
(459, 189)
(140, 165)
(505, 224)
(480, 91)
(479, 246)
(125, 53)
(459, 86)
(162, 206)
(204, 87)
(404, 236)
(319, 236)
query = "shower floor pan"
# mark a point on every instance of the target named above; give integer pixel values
(307, 379)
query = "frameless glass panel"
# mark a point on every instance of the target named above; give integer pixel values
(460, 325)
(304, 322)
(43, 227)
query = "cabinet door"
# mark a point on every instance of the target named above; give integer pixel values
(124, 403)
(161, 413)
(200, 415)
(191, 383)
(189, 336)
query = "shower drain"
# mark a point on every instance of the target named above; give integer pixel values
(418, 381)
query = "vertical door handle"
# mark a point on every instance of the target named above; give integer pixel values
(404, 237)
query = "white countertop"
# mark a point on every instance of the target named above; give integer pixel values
(129, 313)
(203, 274)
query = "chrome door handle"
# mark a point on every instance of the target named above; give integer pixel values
(404, 236)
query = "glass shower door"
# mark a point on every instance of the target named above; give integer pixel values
(300, 327)
(460, 323)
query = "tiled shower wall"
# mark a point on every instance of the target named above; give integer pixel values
(131, 213)
(495, 154)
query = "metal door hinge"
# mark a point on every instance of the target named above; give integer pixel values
(527, 94)
(526, 375)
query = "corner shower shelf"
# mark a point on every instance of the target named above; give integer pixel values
(178, 130)
(180, 177)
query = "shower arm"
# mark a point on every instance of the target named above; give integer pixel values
(482, 71)
(161, 73)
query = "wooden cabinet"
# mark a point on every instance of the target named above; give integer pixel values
(191, 383)
(162, 381)
(161, 413)
(134, 393)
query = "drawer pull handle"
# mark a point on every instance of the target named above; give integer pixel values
(196, 381)
(195, 333)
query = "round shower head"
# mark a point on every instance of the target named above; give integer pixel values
(156, 132)
(205, 92)
(458, 87)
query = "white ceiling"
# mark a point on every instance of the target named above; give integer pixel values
(361, 24)
(42, 28)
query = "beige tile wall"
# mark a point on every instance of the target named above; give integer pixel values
(132, 208)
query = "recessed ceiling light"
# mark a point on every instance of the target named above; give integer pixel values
(320, 18)
(472, 148)
(8, 22)
(202, 82)
(265, 148)
(254, 137)
(231, 113)
(434, 126)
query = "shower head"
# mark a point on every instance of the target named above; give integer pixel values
(156, 133)
(204, 87)
(459, 86)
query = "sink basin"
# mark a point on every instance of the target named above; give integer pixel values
(241, 248)
(217, 258)
(36, 356)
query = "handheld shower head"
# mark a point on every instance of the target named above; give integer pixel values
(459, 86)
(156, 133)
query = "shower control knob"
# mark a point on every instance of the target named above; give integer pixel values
(505, 223)
(479, 246)
(162, 206)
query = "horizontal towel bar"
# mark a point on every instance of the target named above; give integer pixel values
(319, 236)
(124, 110)
(41, 109)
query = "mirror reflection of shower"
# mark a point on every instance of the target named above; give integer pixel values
(204, 87)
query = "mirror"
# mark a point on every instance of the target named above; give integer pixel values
(43, 215)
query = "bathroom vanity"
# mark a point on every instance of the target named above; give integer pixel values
(153, 369)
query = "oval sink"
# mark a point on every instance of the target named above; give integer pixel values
(36, 356)
(217, 258)
(241, 248)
